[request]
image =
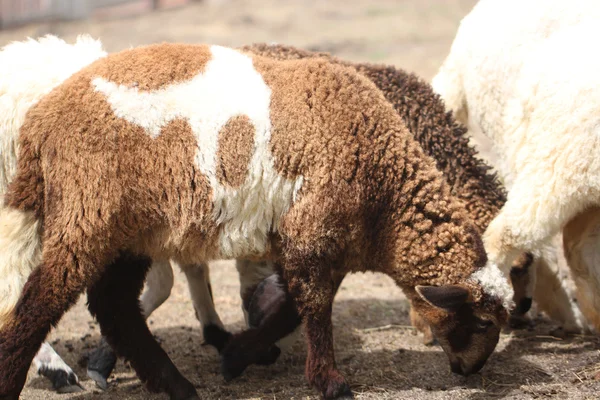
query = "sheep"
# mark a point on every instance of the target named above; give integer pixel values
(196, 152)
(439, 135)
(470, 180)
(520, 73)
(28, 71)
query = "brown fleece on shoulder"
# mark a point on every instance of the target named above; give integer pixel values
(374, 188)
(154, 67)
(234, 150)
(436, 130)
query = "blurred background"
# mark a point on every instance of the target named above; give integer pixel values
(412, 34)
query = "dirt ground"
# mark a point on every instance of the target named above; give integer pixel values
(375, 346)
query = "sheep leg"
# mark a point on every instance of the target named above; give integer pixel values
(159, 282)
(553, 298)
(309, 282)
(49, 364)
(50, 290)
(581, 239)
(272, 315)
(201, 292)
(113, 300)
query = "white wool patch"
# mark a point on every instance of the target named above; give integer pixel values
(229, 87)
(20, 253)
(495, 283)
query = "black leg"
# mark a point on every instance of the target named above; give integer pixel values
(113, 300)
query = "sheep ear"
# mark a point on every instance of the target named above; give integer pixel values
(448, 297)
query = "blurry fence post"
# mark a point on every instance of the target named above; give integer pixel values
(71, 9)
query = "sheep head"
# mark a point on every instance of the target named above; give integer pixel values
(467, 330)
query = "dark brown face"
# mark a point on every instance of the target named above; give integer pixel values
(467, 340)
(468, 332)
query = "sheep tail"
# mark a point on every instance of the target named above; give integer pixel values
(20, 231)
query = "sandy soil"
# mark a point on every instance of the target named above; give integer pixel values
(376, 348)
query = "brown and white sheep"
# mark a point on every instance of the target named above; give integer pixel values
(28, 71)
(194, 153)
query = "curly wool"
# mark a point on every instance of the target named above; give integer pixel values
(442, 138)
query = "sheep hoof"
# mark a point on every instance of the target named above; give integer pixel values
(234, 361)
(230, 372)
(519, 322)
(269, 357)
(101, 364)
(338, 390)
(216, 336)
(191, 397)
(100, 381)
(62, 381)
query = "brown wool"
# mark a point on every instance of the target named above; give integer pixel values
(370, 199)
(236, 140)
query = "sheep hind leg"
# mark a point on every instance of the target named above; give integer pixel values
(51, 289)
(553, 298)
(198, 277)
(49, 364)
(159, 282)
(581, 239)
(113, 300)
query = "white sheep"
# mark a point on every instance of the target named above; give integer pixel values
(523, 73)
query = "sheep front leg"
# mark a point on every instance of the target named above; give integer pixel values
(309, 282)
(113, 300)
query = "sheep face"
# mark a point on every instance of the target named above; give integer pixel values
(468, 331)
